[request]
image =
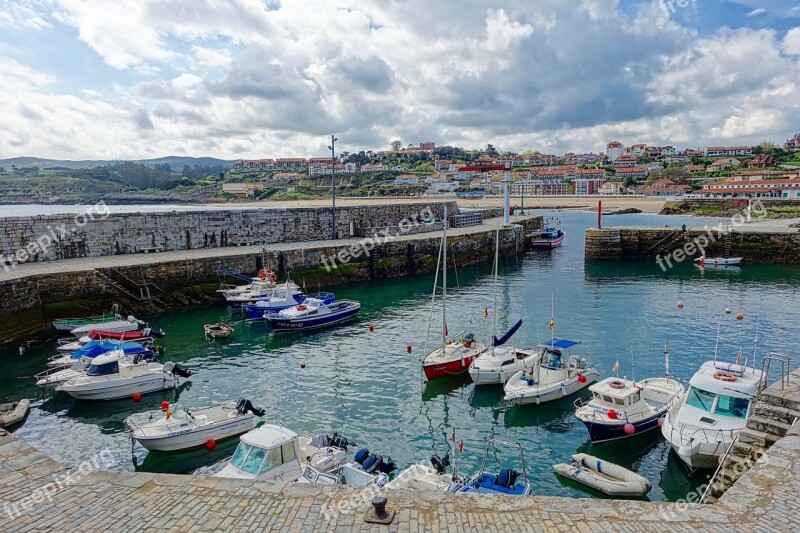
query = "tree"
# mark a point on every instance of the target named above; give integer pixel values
(766, 147)
(396, 145)
(491, 151)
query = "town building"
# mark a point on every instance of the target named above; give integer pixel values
(540, 187)
(662, 187)
(406, 179)
(695, 169)
(724, 164)
(291, 163)
(729, 151)
(774, 188)
(614, 149)
(793, 144)
(427, 146)
(374, 168)
(637, 173)
(625, 160)
(286, 176)
(587, 186)
(762, 161)
(613, 188)
(245, 189)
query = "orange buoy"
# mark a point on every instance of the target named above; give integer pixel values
(164, 405)
(137, 397)
(408, 348)
(211, 444)
(739, 316)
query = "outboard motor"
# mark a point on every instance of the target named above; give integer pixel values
(158, 334)
(375, 463)
(138, 358)
(244, 405)
(177, 370)
(507, 477)
(361, 456)
(439, 464)
(340, 441)
(388, 466)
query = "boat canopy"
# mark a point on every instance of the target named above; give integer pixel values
(95, 348)
(561, 344)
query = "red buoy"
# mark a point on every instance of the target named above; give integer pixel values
(408, 348)
(661, 421)
(629, 429)
(612, 414)
(582, 378)
(137, 397)
(164, 405)
(371, 328)
(211, 444)
(680, 305)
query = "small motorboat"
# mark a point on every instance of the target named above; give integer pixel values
(220, 330)
(116, 326)
(181, 429)
(620, 408)
(548, 237)
(313, 313)
(702, 425)
(498, 364)
(718, 261)
(261, 290)
(94, 348)
(114, 375)
(504, 482)
(367, 469)
(142, 337)
(56, 376)
(554, 375)
(257, 310)
(14, 413)
(424, 477)
(68, 324)
(608, 478)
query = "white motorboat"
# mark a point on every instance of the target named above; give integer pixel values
(554, 375)
(116, 326)
(621, 408)
(423, 477)
(14, 413)
(181, 429)
(95, 348)
(608, 478)
(68, 324)
(262, 290)
(272, 452)
(702, 425)
(365, 470)
(718, 261)
(114, 375)
(498, 364)
(147, 335)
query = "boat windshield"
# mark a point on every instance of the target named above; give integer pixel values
(733, 407)
(700, 399)
(552, 359)
(103, 370)
(248, 458)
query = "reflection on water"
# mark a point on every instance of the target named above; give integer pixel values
(366, 386)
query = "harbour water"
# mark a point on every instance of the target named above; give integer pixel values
(365, 385)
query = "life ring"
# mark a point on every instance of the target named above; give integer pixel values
(273, 277)
(302, 307)
(725, 376)
(617, 384)
(262, 274)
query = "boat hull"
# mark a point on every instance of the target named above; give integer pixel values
(450, 368)
(279, 324)
(547, 244)
(198, 437)
(541, 394)
(600, 432)
(120, 388)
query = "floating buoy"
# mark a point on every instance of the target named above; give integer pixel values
(211, 444)
(661, 422)
(582, 378)
(408, 348)
(371, 328)
(303, 364)
(629, 429)
(728, 310)
(164, 405)
(680, 305)
(612, 414)
(137, 397)
(739, 316)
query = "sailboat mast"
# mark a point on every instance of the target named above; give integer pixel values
(496, 260)
(444, 278)
(552, 321)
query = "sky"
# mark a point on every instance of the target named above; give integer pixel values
(238, 79)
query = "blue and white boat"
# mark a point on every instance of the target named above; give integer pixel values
(506, 481)
(92, 349)
(262, 290)
(260, 309)
(313, 313)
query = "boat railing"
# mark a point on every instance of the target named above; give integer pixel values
(722, 461)
(779, 358)
(716, 435)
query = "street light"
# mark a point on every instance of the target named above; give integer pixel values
(333, 180)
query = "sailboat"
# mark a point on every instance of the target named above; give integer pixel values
(451, 357)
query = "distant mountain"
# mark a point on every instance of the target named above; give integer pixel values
(176, 162)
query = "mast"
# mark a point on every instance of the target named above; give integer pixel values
(552, 322)
(666, 358)
(496, 259)
(444, 279)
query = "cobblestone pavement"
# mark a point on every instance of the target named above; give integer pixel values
(767, 498)
(114, 261)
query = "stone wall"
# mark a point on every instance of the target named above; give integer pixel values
(130, 233)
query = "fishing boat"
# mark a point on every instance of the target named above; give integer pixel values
(313, 313)
(181, 429)
(621, 408)
(116, 326)
(608, 478)
(366, 469)
(423, 477)
(262, 290)
(506, 481)
(95, 348)
(257, 310)
(114, 375)
(555, 374)
(272, 452)
(548, 237)
(68, 324)
(14, 413)
(144, 336)
(220, 330)
(705, 421)
(718, 261)
(451, 357)
(55, 376)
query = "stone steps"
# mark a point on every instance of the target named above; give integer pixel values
(775, 412)
(757, 438)
(768, 425)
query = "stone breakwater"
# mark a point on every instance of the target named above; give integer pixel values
(37, 293)
(103, 234)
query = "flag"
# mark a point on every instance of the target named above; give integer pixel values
(461, 446)
(445, 330)
(552, 324)
(486, 313)
(616, 366)
(169, 413)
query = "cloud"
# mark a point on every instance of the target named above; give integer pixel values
(141, 118)
(791, 43)
(756, 12)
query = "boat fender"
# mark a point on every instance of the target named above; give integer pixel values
(273, 278)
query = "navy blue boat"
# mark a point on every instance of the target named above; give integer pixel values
(506, 481)
(313, 313)
(258, 310)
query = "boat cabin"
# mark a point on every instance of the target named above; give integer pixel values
(723, 389)
(622, 396)
(267, 453)
(106, 364)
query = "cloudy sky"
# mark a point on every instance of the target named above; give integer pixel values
(255, 78)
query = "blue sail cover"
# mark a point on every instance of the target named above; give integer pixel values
(505, 338)
(95, 348)
(561, 344)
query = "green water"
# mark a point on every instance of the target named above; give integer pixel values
(618, 310)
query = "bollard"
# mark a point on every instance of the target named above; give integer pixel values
(378, 514)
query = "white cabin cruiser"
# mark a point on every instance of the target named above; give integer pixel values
(423, 477)
(181, 429)
(272, 453)
(551, 377)
(114, 375)
(262, 290)
(702, 425)
(498, 364)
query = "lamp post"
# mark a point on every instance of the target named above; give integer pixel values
(333, 180)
